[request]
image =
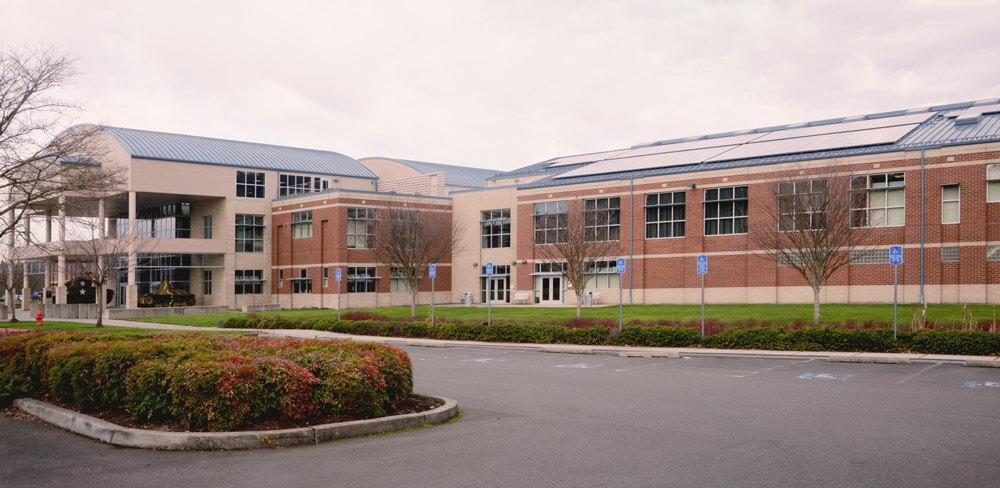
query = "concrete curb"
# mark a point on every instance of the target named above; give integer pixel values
(867, 357)
(983, 363)
(117, 435)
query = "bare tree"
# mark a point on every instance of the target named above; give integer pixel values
(12, 281)
(408, 240)
(578, 238)
(809, 227)
(38, 160)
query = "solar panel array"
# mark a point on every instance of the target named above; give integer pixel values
(809, 138)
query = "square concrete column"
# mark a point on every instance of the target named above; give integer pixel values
(61, 257)
(132, 290)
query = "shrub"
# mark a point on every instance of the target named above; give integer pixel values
(589, 335)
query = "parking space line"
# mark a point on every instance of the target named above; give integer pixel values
(918, 373)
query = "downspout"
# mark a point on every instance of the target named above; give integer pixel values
(631, 235)
(922, 227)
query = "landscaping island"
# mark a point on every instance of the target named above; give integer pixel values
(211, 383)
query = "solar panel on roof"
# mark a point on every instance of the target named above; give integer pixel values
(585, 158)
(821, 142)
(971, 115)
(846, 126)
(648, 161)
(689, 145)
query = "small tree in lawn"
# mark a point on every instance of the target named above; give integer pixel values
(408, 240)
(808, 225)
(12, 279)
(578, 238)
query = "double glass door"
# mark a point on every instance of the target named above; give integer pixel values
(551, 289)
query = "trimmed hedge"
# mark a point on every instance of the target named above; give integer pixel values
(206, 382)
(749, 335)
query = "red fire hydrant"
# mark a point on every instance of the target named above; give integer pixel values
(39, 316)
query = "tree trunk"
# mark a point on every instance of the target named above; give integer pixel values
(413, 305)
(579, 303)
(101, 297)
(815, 306)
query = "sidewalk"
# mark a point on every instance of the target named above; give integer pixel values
(622, 351)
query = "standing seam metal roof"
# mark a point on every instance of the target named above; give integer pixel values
(453, 175)
(165, 146)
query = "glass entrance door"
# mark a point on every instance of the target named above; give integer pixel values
(551, 289)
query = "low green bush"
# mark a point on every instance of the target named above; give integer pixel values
(971, 342)
(206, 382)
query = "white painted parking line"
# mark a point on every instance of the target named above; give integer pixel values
(908, 378)
(578, 365)
(981, 384)
(823, 376)
(483, 360)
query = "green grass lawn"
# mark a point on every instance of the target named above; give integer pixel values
(81, 327)
(787, 313)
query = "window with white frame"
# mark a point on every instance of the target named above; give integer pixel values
(360, 227)
(397, 281)
(207, 226)
(601, 217)
(950, 205)
(550, 222)
(302, 224)
(250, 184)
(281, 278)
(298, 184)
(249, 233)
(802, 205)
(302, 283)
(878, 200)
(665, 215)
(726, 210)
(496, 228)
(361, 279)
(602, 274)
(326, 276)
(249, 281)
(993, 183)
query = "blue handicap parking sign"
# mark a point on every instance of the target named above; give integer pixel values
(337, 274)
(702, 264)
(621, 265)
(896, 255)
(432, 271)
(489, 269)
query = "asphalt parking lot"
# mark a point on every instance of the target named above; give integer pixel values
(541, 419)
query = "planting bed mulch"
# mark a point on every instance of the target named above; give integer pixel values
(414, 404)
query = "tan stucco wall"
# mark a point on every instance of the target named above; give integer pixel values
(467, 213)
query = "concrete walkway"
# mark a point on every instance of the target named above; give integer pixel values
(623, 351)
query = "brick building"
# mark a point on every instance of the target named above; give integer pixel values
(927, 179)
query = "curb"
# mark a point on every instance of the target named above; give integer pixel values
(117, 435)
(982, 363)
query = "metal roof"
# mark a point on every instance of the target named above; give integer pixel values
(940, 129)
(163, 146)
(453, 175)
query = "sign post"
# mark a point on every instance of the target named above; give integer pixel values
(337, 275)
(489, 301)
(432, 272)
(702, 270)
(895, 259)
(620, 268)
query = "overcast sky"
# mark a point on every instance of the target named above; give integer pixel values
(505, 83)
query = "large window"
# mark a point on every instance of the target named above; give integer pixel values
(168, 221)
(496, 228)
(602, 274)
(361, 279)
(665, 215)
(302, 224)
(950, 204)
(249, 184)
(207, 227)
(726, 210)
(397, 281)
(206, 282)
(249, 233)
(360, 227)
(601, 218)
(878, 200)
(249, 281)
(303, 283)
(297, 184)
(993, 183)
(550, 222)
(802, 205)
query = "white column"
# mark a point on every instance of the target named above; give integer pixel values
(132, 291)
(61, 256)
(25, 285)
